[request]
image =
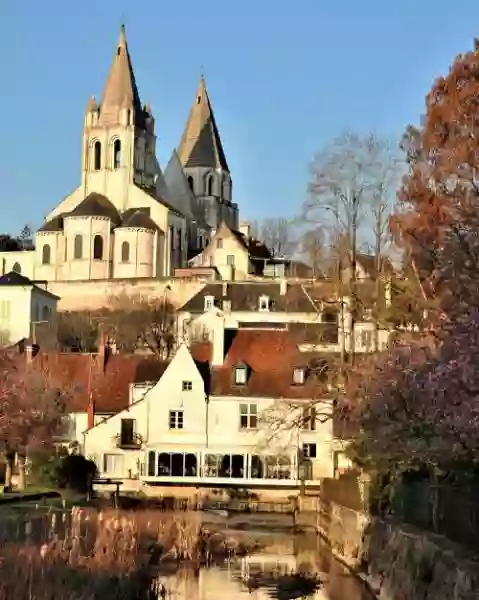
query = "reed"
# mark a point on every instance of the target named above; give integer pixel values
(85, 554)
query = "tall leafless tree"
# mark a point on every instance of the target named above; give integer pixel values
(275, 233)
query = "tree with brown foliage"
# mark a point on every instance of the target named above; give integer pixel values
(439, 220)
(32, 406)
(136, 322)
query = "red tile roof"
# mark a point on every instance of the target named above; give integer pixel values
(109, 382)
(271, 357)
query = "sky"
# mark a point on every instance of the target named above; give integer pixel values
(284, 79)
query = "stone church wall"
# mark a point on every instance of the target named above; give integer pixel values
(94, 295)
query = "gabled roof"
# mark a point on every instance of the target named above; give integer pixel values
(271, 357)
(200, 144)
(120, 90)
(245, 296)
(13, 279)
(109, 383)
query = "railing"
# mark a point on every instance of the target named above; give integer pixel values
(131, 442)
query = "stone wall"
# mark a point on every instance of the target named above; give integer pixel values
(95, 295)
(398, 561)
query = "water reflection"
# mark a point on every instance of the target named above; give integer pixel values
(287, 568)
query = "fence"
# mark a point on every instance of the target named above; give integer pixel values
(450, 510)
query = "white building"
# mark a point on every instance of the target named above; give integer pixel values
(24, 306)
(241, 412)
(127, 219)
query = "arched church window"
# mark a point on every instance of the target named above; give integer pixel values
(78, 247)
(209, 185)
(46, 254)
(17, 268)
(116, 154)
(125, 252)
(98, 247)
(191, 183)
(97, 156)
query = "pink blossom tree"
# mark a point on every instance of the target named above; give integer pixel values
(32, 406)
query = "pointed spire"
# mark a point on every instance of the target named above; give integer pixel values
(92, 105)
(120, 90)
(200, 144)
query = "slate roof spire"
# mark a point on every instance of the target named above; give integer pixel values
(120, 90)
(200, 144)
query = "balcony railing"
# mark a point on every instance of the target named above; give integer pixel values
(129, 442)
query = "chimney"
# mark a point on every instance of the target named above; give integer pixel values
(218, 352)
(283, 287)
(29, 353)
(91, 412)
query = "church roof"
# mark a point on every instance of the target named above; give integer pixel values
(96, 205)
(55, 224)
(120, 90)
(200, 144)
(138, 217)
(175, 180)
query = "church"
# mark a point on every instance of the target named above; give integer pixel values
(129, 218)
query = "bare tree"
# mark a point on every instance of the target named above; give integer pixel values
(351, 192)
(275, 233)
(136, 322)
(78, 330)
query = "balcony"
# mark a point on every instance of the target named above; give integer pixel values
(128, 442)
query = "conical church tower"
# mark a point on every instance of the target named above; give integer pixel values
(204, 162)
(119, 133)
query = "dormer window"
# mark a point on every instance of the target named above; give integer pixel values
(240, 375)
(264, 303)
(209, 302)
(298, 375)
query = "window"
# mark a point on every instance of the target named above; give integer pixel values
(45, 313)
(230, 260)
(46, 254)
(209, 186)
(264, 303)
(219, 243)
(177, 464)
(187, 386)
(227, 305)
(176, 419)
(151, 463)
(309, 418)
(17, 268)
(309, 450)
(97, 156)
(209, 302)
(191, 183)
(116, 154)
(329, 317)
(298, 375)
(125, 252)
(113, 464)
(248, 416)
(127, 432)
(98, 247)
(78, 247)
(224, 465)
(240, 375)
(366, 339)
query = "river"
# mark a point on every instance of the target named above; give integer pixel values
(286, 567)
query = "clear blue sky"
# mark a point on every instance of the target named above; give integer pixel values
(284, 78)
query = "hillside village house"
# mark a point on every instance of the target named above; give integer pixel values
(128, 219)
(24, 308)
(237, 412)
(311, 311)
